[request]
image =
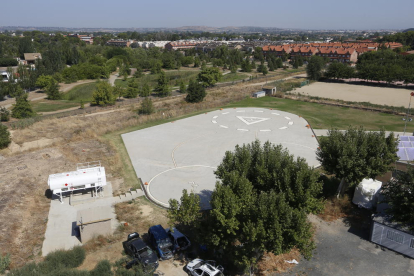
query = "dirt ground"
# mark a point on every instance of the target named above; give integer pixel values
(24, 207)
(358, 93)
(140, 215)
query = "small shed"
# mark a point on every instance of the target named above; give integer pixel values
(259, 94)
(93, 222)
(269, 90)
(392, 235)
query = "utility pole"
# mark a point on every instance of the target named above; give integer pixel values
(408, 110)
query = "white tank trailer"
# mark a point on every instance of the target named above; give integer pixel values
(85, 177)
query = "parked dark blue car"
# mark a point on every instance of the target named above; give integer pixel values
(161, 242)
(180, 241)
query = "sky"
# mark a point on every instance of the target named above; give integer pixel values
(303, 14)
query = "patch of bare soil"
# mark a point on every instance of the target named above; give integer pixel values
(24, 206)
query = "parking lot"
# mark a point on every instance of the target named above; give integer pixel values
(343, 249)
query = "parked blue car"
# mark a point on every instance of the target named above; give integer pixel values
(180, 241)
(161, 242)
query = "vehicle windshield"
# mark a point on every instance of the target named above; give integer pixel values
(199, 264)
(164, 244)
(145, 252)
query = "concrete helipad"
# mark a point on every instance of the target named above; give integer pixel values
(184, 154)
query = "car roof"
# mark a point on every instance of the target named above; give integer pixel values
(176, 234)
(138, 243)
(158, 232)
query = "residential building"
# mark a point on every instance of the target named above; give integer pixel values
(118, 43)
(180, 45)
(30, 58)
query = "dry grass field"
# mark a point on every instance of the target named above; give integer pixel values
(56, 145)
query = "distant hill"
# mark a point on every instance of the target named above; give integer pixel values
(409, 30)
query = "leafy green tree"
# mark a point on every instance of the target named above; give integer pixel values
(356, 154)
(397, 193)
(103, 94)
(253, 66)
(43, 81)
(279, 63)
(187, 211)
(138, 72)
(22, 108)
(264, 70)
(261, 204)
(146, 106)
(197, 62)
(52, 90)
(4, 114)
(120, 91)
(209, 76)
(4, 143)
(314, 67)
(195, 92)
(145, 91)
(132, 90)
(156, 67)
(82, 104)
(182, 87)
(270, 65)
(162, 87)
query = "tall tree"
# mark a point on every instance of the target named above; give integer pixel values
(398, 194)
(162, 87)
(209, 76)
(22, 108)
(355, 154)
(195, 92)
(314, 67)
(52, 90)
(187, 211)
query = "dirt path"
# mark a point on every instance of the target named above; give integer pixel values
(287, 78)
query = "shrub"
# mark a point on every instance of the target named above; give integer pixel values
(4, 114)
(103, 268)
(103, 94)
(70, 258)
(4, 260)
(22, 108)
(6, 62)
(146, 106)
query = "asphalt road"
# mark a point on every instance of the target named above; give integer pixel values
(343, 249)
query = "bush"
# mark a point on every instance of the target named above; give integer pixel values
(4, 260)
(6, 62)
(146, 106)
(22, 108)
(70, 258)
(103, 94)
(103, 268)
(4, 114)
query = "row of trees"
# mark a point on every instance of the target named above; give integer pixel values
(384, 65)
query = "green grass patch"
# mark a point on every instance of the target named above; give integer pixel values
(81, 92)
(324, 116)
(49, 106)
(175, 77)
(234, 77)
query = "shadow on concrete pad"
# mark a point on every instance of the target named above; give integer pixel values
(205, 197)
(75, 231)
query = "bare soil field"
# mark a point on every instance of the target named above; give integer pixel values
(358, 93)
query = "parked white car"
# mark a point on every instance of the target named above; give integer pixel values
(199, 267)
